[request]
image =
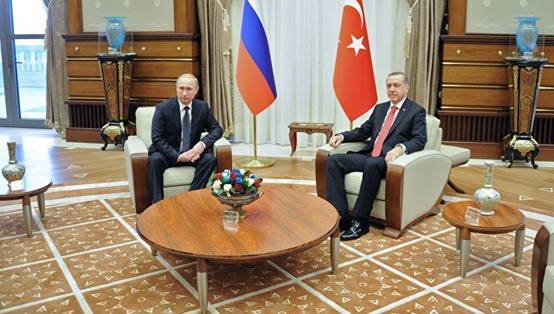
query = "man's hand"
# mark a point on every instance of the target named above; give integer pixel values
(192, 154)
(335, 140)
(393, 154)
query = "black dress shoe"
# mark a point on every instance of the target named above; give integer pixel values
(357, 229)
(344, 224)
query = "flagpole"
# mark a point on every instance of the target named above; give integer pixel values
(255, 162)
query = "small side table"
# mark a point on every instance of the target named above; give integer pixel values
(24, 189)
(505, 219)
(309, 128)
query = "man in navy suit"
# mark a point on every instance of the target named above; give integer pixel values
(395, 127)
(176, 128)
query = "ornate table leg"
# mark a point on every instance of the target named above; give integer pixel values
(292, 138)
(202, 282)
(458, 238)
(27, 215)
(465, 250)
(520, 241)
(328, 135)
(41, 206)
(335, 246)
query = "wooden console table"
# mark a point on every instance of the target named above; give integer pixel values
(309, 128)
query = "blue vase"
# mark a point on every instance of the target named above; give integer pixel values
(115, 32)
(526, 35)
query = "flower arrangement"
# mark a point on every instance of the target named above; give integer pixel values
(234, 182)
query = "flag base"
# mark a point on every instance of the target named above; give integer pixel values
(255, 163)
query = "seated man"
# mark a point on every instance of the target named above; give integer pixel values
(176, 128)
(395, 127)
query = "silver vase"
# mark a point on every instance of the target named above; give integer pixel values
(12, 171)
(487, 197)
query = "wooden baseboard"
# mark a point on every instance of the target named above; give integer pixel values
(495, 150)
(83, 135)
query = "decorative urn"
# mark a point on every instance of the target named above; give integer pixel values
(115, 33)
(12, 171)
(526, 35)
(487, 197)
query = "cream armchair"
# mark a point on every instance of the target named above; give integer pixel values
(542, 270)
(176, 179)
(413, 186)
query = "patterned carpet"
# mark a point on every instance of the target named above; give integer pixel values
(85, 257)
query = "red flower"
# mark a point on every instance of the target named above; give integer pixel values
(238, 188)
(218, 176)
(233, 176)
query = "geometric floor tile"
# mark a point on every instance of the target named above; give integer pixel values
(233, 280)
(312, 260)
(90, 236)
(111, 265)
(31, 283)
(131, 220)
(14, 224)
(487, 246)
(524, 267)
(426, 261)
(362, 287)
(65, 215)
(176, 260)
(123, 206)
(375, 241)
(22, 250)
(493, 291)
(287, 299)
(64, 305)
(160, 293)
(431, 224)
(429, 303)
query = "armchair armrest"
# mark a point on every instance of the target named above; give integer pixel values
(136, 164)
(322, 154)
(223, 153)
(543, 256)
(409, 193)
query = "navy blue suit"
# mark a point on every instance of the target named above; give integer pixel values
(166, 143)
(409, 128)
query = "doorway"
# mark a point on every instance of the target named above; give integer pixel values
(23, 59)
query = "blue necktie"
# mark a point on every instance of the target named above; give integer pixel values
(185, 131)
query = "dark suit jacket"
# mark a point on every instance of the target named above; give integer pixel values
(409, 128)
(166, 127)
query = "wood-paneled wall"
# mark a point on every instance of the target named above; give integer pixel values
(160, 58)
(474, 99)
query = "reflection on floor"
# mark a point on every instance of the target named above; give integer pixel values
(85, 256)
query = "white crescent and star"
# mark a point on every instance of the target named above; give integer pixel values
(356, 43)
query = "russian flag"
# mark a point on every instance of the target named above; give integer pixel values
(254, 71)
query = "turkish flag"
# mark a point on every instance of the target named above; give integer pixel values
(353, 80)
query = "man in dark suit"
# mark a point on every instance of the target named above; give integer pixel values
(395, 127)
(176, 128)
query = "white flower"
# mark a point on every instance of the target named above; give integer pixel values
(227, 187)
(251, 182)
(242, 171)
(216, 185)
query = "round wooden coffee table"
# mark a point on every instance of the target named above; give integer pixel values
(282, 221)
(505, 219)
(24, 189)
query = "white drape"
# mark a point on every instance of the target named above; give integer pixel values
(302, 37)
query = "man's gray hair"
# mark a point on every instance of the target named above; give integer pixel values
(404, 75)
(187, 77)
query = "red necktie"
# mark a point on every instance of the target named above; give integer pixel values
(378, 146)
